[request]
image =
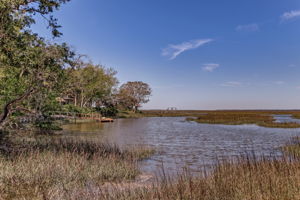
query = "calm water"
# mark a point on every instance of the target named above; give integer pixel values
(285, 118)
(181, 143)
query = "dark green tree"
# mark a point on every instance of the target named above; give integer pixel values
(30, 67)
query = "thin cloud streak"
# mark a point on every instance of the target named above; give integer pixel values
(279, 82)
(290, 15)
(210, 67)
(231, 84)
(174, 50)
(248, 27)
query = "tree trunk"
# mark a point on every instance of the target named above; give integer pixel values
(75, 100)
(82, 98)
(7, 107)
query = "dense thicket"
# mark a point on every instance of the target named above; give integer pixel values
(38, 76)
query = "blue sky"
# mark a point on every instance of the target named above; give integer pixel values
(195, 54)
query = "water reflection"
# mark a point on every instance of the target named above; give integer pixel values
(182, 143)
(285, 119)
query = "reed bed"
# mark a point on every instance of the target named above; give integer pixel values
(231, 117)
(261, 118)
(69, 170)
(50, 169)
(186, 113)
(293, 147)
(245, 178)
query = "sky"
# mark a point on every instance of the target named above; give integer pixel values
(195, 54)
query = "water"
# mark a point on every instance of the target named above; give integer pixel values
(285, 119)
(182, 143)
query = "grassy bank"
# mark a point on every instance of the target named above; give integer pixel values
(261, 118)
(248, 177)
(160, 113)
(278, 179)
(230, 117)
(66, 169)
(51, 169)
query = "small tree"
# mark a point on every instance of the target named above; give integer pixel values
(132, 94)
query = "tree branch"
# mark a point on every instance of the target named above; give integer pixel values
(7, 107)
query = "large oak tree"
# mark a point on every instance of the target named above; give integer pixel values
(133, 94)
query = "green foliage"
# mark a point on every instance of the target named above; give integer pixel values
(110, 111)
(46, 126)
(76, 109)
(89, 83)
(132, 94)
(37, 76)
(30, 67)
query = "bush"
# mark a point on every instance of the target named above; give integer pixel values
(76, 109)
(110, 111)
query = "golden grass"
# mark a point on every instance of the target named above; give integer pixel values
(69, 170)
(259, 180)
(261, 118)
(293, 148)
(242, 179)
(48, 169)
(245, 178)
(230, 117)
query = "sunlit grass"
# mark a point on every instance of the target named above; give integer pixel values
(42, 168)
(231, 117)
(261, 118)
(72, 169)
(293, 148)
(245, 177)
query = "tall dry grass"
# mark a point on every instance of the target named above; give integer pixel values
(50, 169)
(261, 118)
(60, 171)
(247, 179)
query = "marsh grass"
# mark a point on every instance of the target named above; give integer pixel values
(261, 118)
(64, 169)
(172, 113)
(230, 117)
(247, 177)
(38, 169)
(293, 147)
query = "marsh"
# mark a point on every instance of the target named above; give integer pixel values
(181, 143)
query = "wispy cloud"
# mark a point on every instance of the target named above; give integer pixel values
(174, 50)
(298, 87)
(210, 67)
(279, 82)
(248, 27)
(290, 15)
(232, 84)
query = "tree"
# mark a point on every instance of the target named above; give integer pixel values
(90, 84)
(28, 64)
(132, 94)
